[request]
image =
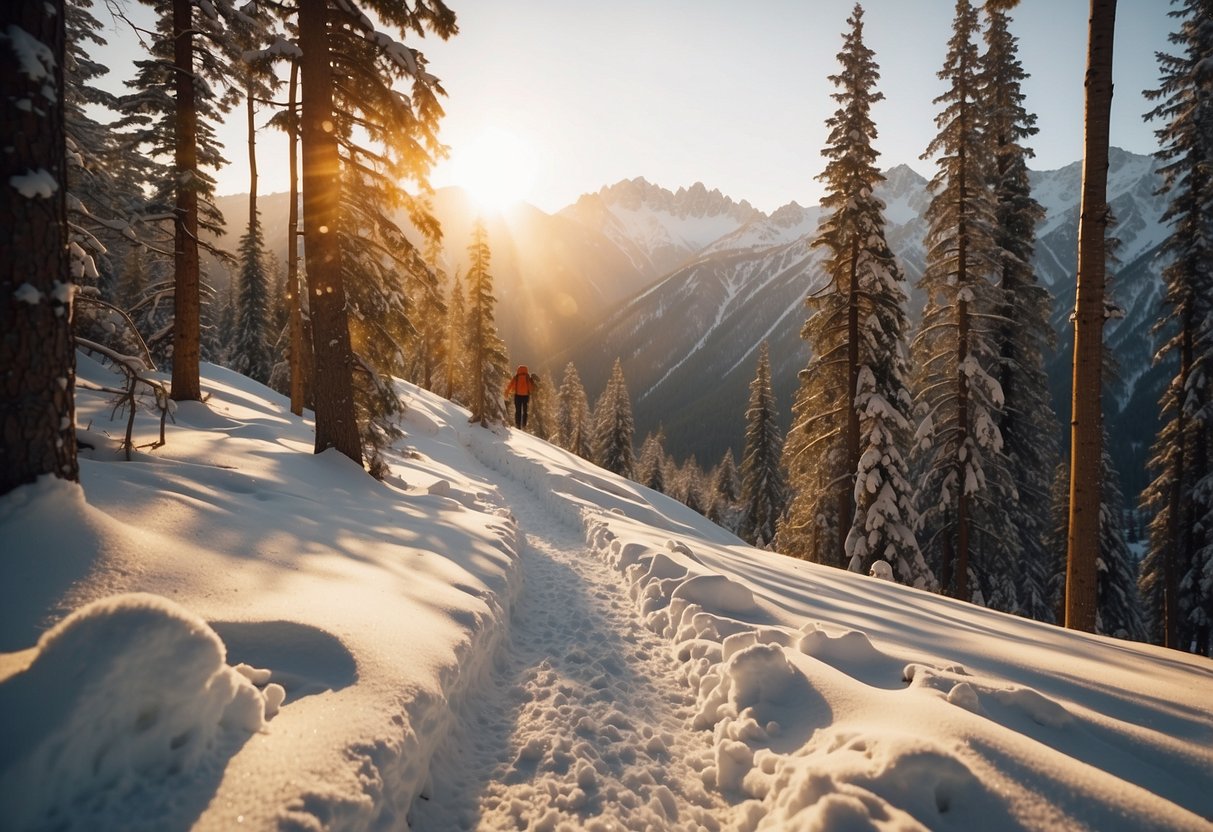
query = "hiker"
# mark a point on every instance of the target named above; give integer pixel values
(520, 385)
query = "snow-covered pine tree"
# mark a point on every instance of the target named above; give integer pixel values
(255, 337)
(351, 192)
(651, 462)
(542, 420)
(691, 486)
(614, 427)
(132, 279)
(574, 430)
(1022, 333)
(763, 489)
(105, 199)
(179, 94)
(425, 289)
(1119, 607)
(252, 348)
(297, 365)
(963, 487)
(454, 370)
(725, 492)
(1053, 575)
(487, 362)
(1177, 574)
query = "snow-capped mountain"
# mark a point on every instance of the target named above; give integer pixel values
(689, 342)
(657, 229)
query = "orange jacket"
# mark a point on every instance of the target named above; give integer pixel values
(520, 384)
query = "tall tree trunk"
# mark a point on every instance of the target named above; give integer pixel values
(962, 381)
(250, 112)
(847, 498)
(300, 348)
(1086, 425)
(187, 295)
(336, 425)
(37, 385)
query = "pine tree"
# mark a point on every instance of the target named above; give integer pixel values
(253, 348)
(691, 486)
(725, 491)
(455, 334)
(963, 487)
(172, 111)
(1023, 334)
(614, 427)
(37, 385)
(1119, 607)
(650, 463)
(351, 193)
(488, 364)
(542, 420)
(850, 490)
(425, 287)
(105, 199)
(1177, 575)
(763, 490)
(132, 281)
(574, 425)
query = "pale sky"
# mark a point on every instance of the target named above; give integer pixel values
(581, 93)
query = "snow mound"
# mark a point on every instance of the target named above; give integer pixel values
(126, 691)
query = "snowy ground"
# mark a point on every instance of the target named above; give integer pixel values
(501, 636)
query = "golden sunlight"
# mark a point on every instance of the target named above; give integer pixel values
(497, 168)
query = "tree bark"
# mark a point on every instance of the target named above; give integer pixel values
(250, 113)
(300, 355)
(187, 296)
(336, 426)
(37, 355)
(1086, 425)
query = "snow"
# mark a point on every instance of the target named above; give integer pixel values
(28, 293)
(35, 58)
(34, 183)
(231, 632)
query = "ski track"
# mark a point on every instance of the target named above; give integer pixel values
(585, 720)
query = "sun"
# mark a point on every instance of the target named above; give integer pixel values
(496, 167)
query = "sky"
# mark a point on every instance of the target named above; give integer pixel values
(550, 99)
(232, 632)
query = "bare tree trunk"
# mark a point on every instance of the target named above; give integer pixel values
(336, 425)
(37, 385)
(187, 295)
(250, 112)
(300, 355)
(1086, 426)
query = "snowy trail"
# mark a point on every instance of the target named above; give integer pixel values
(585, 722)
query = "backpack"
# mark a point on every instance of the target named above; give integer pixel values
(523, 382)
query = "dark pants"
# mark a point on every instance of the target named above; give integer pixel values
(520, 407)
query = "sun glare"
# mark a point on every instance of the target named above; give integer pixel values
(496, 167)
